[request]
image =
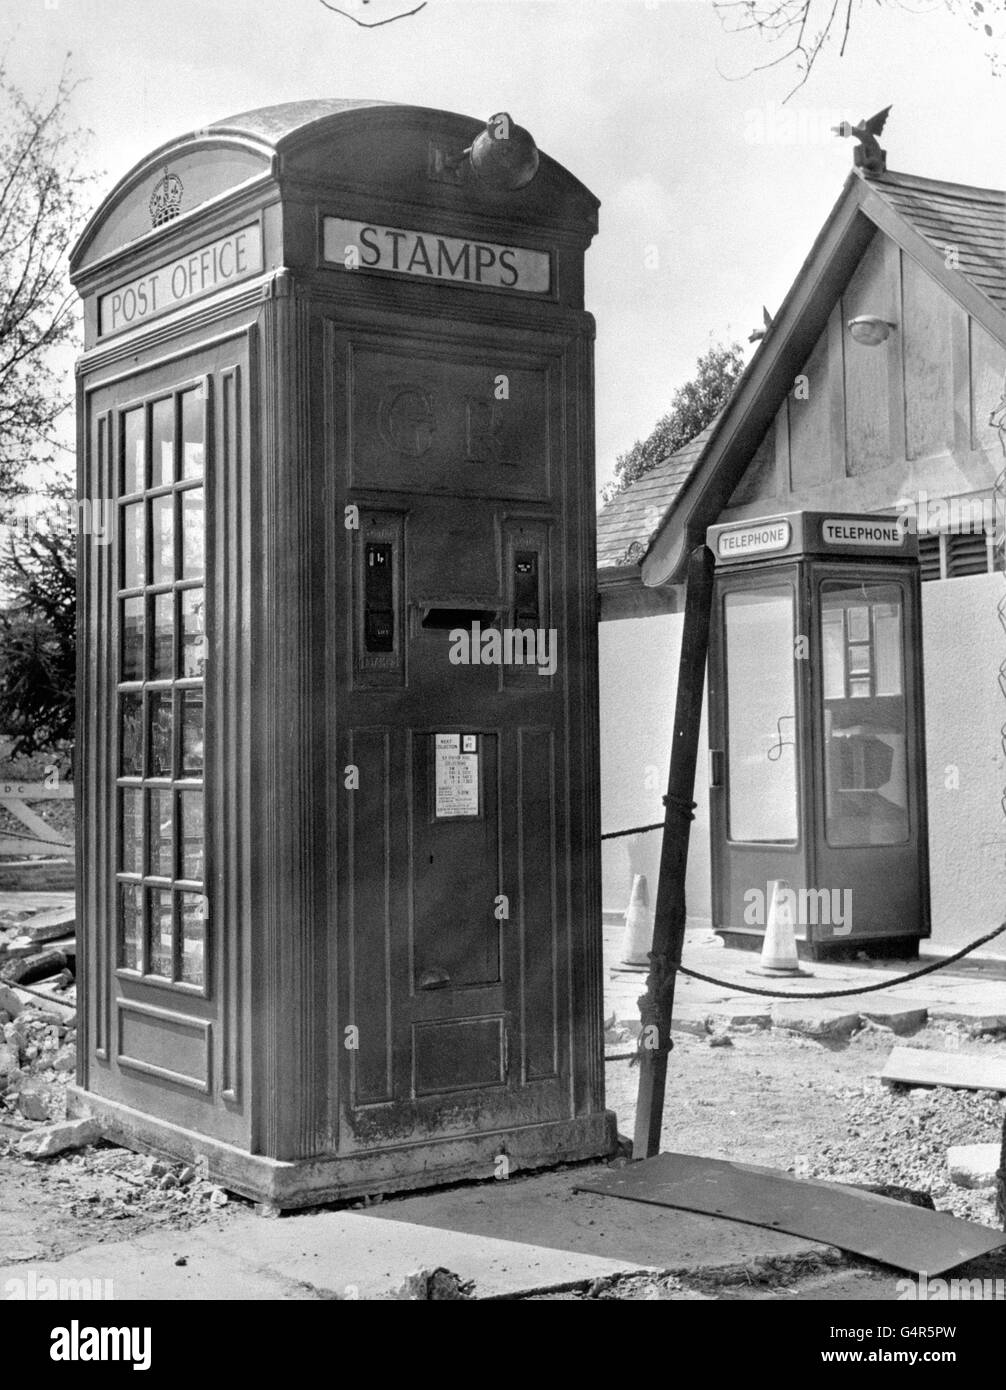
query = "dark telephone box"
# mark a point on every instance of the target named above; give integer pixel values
(339, 869)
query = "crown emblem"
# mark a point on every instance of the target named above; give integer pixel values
(166, 199)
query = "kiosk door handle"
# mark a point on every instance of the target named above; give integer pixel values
(716, 767)
(436, 978)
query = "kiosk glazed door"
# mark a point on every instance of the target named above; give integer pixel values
(159, 442)
(454, 939)
(868, 731)
(755, 770)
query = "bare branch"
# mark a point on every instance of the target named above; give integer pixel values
(375, 24)
(806, 27)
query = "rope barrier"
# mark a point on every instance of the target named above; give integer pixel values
(636, 830)
(841, 993)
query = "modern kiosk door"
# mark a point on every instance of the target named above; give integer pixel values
(817, 768)
(756, 767)
(868, 759)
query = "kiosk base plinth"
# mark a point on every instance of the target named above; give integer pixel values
(308, 1182)
(874, 947)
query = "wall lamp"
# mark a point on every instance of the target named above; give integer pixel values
(870, 330)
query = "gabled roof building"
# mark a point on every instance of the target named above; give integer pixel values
(818, 420)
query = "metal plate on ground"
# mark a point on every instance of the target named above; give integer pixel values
(879, 1228)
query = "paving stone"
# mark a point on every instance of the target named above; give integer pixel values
(901, 1016)
(743, 1015)
(973, 1165)
(689, 1019)
(974, 1018)
(48, 926)
(813, 1020)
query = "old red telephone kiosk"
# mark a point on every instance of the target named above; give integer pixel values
(338, 883)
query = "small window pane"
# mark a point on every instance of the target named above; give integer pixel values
(192, 433)
(162, 525)
(190, 807)
(859, 624)
(134, 451)
(160, 932)
(131, 747)
(193, 632)
(833, 650)
(887, 626)
(133, 568)
(859, 689)
(132, 832)
(162, 667)
(159, 706)
(161, 840)
(162, 442)
(131, 925)
(859, 661)
(192, 533)
(192, 733)
(193, 938)
(132, 639)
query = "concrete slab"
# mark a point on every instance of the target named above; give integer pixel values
(900, 1015)
(814, 1020)
(317, 1255)
(743, 1013)
(973, 1014)
(544, 1209)
(916, 1066)
(146, 1268)
(351, 1254)
(30, 901)
(690, 1018)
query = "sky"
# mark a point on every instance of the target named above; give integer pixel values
(712, 189)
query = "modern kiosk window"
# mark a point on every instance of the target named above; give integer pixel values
(161, 623)
(865, 744)
(761, 715)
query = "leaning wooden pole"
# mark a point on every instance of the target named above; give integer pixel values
(656, 1005)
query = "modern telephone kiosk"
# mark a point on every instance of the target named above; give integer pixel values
(339, 888)
(817, 759)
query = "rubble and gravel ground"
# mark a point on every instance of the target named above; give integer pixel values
(813, 1107)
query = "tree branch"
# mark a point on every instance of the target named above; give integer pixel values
(376, 24)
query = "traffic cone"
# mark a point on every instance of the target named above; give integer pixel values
(778, 952)
(638, 936)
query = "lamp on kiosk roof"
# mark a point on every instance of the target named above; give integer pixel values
(503, 156)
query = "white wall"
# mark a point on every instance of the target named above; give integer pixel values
(638, 680)
(963, 645)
